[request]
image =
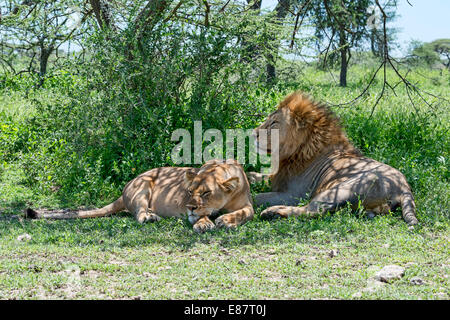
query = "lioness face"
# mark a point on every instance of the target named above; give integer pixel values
(278, 120)
(207, 192)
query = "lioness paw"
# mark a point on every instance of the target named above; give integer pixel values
(148, 217)
(203, 225)
(227, 221)
(275, 212)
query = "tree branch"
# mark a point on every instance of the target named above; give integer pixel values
(297, 25)
(102, 13)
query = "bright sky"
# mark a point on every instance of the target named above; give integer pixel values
(425, 20)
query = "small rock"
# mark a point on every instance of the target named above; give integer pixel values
(333, 253)
(24, 237)
(386, 245)
(202, 291)
(417, 281)
(411, 228)
(241, 262)
(390, 273)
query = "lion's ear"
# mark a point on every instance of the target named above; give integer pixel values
(230, 184)
(189, 175)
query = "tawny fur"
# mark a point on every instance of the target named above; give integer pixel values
(322, 130)
(317, 160)
(174, 191)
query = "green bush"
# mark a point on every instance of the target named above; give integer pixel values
(96, 129)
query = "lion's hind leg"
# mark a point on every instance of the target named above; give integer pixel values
(137, 197)
(329, 200)
(142, 211)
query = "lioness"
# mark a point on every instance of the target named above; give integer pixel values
(317, 160)
(174, 191)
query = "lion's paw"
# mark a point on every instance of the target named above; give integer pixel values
(203, 225)
(153, 217)
(255, 177)
(149, 217)
(227, 221)
(275, 212)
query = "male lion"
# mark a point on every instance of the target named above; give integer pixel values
(173, 191)
(317, 160)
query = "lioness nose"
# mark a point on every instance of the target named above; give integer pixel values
(191, 207)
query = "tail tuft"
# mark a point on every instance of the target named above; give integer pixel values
(31, 214)
(409, 209)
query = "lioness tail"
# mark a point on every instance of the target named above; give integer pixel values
(112, 208)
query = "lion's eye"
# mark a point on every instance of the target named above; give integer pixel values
(189, 192)
(206, 193)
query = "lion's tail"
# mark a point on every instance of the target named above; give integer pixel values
(408, 208)
(112, 208)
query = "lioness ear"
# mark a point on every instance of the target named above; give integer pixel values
(189, 175)
(230, 184)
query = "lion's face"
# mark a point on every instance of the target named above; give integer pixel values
(208, 192)
(288, 133)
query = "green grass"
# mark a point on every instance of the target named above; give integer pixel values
(287, 259)
(118, 258)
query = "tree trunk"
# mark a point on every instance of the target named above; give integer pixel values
(102, 13)
(373, 45)
(344, 61)
(270, 69)
(281, 12)
(43, 62)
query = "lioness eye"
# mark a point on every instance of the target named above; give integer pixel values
(206, 193)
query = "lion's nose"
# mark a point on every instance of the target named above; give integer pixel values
(191, 207)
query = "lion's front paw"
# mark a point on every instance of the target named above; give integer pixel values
(227, 221)
(275, 212)
(203, 225)
(153, 217)
(254, 177)
(148, 217)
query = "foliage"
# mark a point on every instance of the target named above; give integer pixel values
(423, 53)
(33, 32)
(431, 53)
(442, 47)
(105, 120)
